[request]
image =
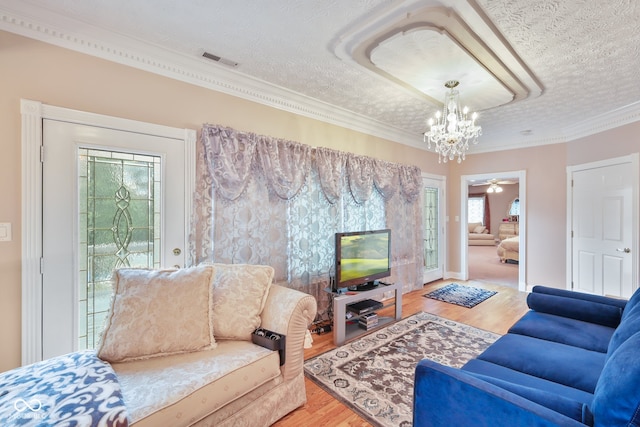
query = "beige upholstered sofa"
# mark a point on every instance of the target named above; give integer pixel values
(236, 383)
(177, 350)
(480, 236)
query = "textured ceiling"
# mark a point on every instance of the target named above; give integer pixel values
(583, 56)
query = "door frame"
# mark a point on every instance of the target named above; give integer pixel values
(33, 113)
(634, 159)
(465, 180)
(442, 204)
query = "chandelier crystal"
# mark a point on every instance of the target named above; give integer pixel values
(452, 130)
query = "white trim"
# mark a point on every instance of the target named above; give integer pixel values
(33, 22)
(33, 112)
(31, 231)
(634, 159)
(464, 236)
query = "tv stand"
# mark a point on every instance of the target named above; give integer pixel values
(347, 329)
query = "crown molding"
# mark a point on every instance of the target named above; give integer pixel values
(193, 70)
(609, 120)
(46, 26)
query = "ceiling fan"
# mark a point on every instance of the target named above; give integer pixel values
(505, 181)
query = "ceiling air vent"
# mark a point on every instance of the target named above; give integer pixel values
(217, 58)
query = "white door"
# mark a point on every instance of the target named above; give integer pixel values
(111, 199)
(433, 214)
(603, 224)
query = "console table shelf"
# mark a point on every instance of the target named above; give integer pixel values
(347, 329)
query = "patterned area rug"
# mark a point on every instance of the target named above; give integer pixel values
(466, 296)
(374, 374)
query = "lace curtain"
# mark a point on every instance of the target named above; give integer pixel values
(263, 200)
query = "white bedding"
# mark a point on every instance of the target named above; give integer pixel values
(509, 249)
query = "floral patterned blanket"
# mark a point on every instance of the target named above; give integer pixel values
(77, 389)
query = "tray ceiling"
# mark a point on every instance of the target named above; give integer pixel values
(538, 72)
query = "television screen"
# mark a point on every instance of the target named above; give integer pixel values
(362, 257)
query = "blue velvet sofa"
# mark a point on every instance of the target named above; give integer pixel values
(572, 360)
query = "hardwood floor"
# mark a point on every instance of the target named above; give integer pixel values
(496, 314)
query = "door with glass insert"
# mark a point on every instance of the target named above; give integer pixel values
(111, 199)
(433, 229)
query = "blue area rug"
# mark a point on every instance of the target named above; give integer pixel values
(466, 296)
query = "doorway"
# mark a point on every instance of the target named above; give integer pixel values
(466, 181)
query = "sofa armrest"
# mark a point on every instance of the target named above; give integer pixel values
(289, 312)
(576, 308)
(445, 396)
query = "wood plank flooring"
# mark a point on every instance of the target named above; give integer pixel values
(496, 314)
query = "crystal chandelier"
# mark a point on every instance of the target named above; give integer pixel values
(451, 131)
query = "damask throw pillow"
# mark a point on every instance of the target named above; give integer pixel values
(238, 295)
(479, 229)
(157, 313)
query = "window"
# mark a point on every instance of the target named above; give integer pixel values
(514, 209)
(475, 209)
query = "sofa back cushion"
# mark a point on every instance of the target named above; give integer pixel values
(633, 305)
(473, 225)
(587, 311)
(629, 326)
(616, 399)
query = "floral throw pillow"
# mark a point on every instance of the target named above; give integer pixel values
(238, 295)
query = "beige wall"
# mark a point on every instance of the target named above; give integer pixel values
(55, 76)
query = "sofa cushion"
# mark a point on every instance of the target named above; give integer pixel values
(628, 327)
(577, 333)
(579, 309)
(181, 389)
(561, 363)
(238, 295)
(158, 312)
(483, 367)
(616, 400)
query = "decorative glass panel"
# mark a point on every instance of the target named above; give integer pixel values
(118, 227)
(431, 228)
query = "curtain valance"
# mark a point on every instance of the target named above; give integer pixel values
(231, 156)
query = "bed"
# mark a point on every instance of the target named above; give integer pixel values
(509, 249)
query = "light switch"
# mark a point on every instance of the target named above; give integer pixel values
(5, 231)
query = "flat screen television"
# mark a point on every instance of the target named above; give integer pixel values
(361, 258)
